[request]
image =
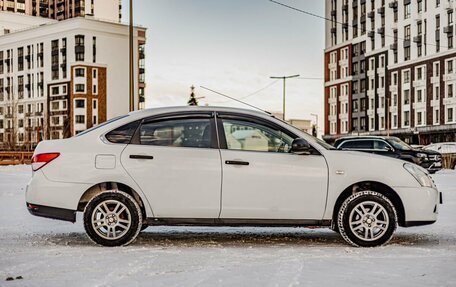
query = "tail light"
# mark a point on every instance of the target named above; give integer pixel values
(42, 159)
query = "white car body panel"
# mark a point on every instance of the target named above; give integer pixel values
(273, 186)
(179, 182)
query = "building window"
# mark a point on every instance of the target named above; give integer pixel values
(406, 97)
(80, 72)
(407, 11)
(80, 119)
(79, 103)
(406, 77)
(437, 117)
(55, 90)
(94, 49)
(450, 66)
(450, 90)
(55, 106)
(406, 118)
(94, 72)
(80, 87)
(450, 114)
(95, 91)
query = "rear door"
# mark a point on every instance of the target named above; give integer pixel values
(176, 162)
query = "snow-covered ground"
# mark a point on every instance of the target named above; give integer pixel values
(53, 253)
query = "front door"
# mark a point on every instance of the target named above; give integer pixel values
(176, 162)
(262, 180)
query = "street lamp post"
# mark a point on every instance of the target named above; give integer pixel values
(283, 101)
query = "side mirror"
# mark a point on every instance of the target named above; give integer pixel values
(300, 146)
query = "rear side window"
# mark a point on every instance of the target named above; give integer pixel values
(358, 144)
(123, 134)
(186, 132)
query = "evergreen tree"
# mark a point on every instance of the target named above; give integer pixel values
(192, 101)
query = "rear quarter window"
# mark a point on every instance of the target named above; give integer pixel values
(123, 134)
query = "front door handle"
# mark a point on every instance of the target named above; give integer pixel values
(237, 162)
(141, 156)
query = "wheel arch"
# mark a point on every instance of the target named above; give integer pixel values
(382, 188)
(110, 185)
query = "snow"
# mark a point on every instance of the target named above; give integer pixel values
(54, 253)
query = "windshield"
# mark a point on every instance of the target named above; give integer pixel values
(398, 144)
(100, 125)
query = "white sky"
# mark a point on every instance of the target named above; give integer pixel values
(233, 46)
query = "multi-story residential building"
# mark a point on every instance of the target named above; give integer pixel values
(108, 10)
(62, 77)
(389, 69)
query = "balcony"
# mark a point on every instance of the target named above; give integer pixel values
(63, 66)
(9, 116)
(355, 22)
(79, 49)
(406, 43)
(355, 3)
(371, 34)
(29, 114)
(363, 18)
(417, 39)
(393, 46)
(38, 113)
(40, 54)
(381, 11)
(393, 5)
(27, 86)
(333, 12)
(63, 50)
(27, 57)
(371, 14)
(40, 84)
(345, 7)
(333, 30)
(448, 30)
(345, 26)
(381, 30)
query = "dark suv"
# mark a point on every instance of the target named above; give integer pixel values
(393, 147)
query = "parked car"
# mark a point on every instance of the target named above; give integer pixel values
(392, 147)
(448, 151)
(222, 167)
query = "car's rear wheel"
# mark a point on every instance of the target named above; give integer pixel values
(112, 218)
(367, 219)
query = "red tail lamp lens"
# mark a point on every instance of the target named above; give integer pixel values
(40, 160)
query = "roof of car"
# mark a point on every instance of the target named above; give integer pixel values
(162, 110)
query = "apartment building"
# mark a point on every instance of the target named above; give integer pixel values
(62, 77)
(107, 10)
(389, 69)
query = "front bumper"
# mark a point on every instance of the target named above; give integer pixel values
(432, 166)
(421, 204)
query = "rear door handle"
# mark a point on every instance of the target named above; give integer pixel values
(237, 162)
(141, 156)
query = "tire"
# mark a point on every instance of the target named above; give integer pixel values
(112, 218)
(367, 219)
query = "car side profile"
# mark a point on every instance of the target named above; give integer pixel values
(217, 166)
(392, 147)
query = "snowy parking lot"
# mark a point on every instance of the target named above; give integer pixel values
(47, 252)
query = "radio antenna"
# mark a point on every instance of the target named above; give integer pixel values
(234, 99)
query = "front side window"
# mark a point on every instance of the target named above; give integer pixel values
(243, 135)
(188, 132)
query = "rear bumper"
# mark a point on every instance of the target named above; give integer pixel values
(52, 212)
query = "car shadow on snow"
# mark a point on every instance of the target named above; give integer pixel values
(236, 237)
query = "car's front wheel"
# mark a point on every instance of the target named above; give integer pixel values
(112, 218)
(367, 219)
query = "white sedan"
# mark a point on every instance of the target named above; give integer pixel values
(222, 167)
